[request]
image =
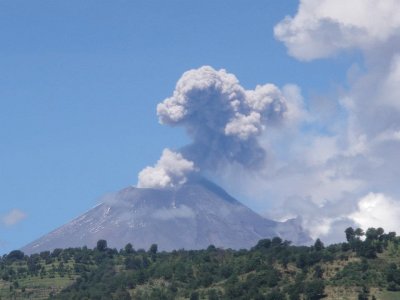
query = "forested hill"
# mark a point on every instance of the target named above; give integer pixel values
(364, 267)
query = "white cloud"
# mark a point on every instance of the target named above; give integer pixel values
(390, 90)
(377, 210)
(322, 28)
(170, 170)
(321, 167)
(13, 217)
(296, 111)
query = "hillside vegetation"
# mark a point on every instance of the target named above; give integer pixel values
(367, 266)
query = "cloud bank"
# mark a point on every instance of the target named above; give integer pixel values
(347, 174)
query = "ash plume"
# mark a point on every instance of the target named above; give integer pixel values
(170, 171)
(223, 119)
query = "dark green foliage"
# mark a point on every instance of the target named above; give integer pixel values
(350, 235)
(363, 294)
(194, 296)
(153, 249)
(393, 277)
(122, 294)
(318, 246)
(318, 272)
(129, 248)
(314, 290)
(275, 295)
(272, 269)
(15, 255)
(101, 245)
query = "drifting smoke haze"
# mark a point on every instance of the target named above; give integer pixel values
(257, 141)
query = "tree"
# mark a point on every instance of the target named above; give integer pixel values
(276, 241)
(122, 294)
(302, 261)
(275, 295)
(212, 294)
(345, 247)
(194, 296)
(363, 294)
(101, 245)
(211, 248)
(359, 233)
(380, 231)
(371, 234)
(349, 234)
(263, 244)
(314, 290)
(318, 272)
(15, 255)
(318, 245)
(129, 248)
(153, 249)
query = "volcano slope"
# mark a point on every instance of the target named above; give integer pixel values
(191, 216)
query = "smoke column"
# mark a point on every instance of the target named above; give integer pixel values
(224, 121)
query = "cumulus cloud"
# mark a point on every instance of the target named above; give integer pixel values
(325, 173)
(223, 119)
(322, 28)
(13, 217)
(170, 170)
(377, 210)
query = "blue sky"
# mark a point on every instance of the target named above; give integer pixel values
(80, 81)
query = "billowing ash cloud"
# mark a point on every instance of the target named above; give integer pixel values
(223, 119)
(170, 170)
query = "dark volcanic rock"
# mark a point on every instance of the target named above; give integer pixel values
(193, 216)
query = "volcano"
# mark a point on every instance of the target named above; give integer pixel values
(192, 216)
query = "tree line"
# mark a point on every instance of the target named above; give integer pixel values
(272, 269)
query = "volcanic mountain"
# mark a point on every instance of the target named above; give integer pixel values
(191, 216)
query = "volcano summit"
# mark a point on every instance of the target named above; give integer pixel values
(191, 216)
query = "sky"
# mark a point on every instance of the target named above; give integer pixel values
(88, 90)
